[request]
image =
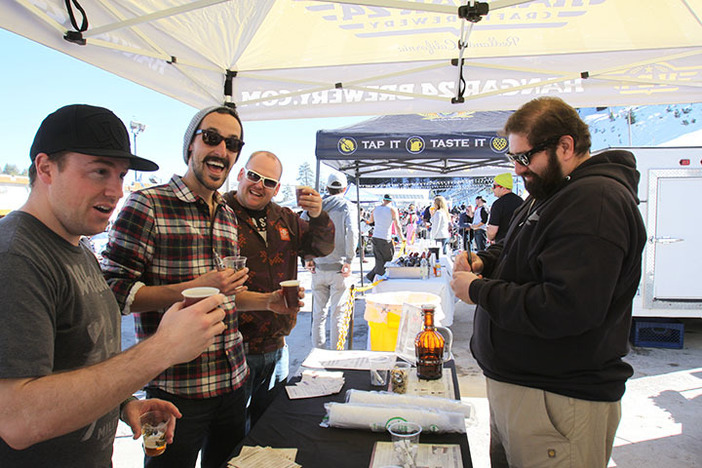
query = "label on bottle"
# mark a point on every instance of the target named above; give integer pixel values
(429, 366)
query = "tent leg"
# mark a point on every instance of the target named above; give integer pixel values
(361, 247)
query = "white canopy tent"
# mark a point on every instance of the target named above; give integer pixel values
(281, 59)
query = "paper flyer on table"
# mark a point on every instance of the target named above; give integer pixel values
(264, 457)
(316, 383)
(428, 455)
(330, 359)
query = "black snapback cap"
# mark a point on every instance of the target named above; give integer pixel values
(90, 130)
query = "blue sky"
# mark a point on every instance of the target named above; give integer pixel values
(37, 80)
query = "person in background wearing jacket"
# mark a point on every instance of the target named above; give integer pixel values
(440, 221)
(330, 274)
(272, 238)
(554, 299)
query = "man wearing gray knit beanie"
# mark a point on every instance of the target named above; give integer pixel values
(173, 237)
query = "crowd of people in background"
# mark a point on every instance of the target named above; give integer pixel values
(457, 226)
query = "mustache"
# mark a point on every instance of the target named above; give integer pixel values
(223, 161)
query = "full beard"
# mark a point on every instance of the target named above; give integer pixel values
(542, 186)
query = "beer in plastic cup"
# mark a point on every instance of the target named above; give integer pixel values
(291, 293)
(153, 431)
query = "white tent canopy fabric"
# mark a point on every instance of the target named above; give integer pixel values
(281, 59)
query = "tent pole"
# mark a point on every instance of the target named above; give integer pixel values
(316, 177)
(361, 249)
(362, 253)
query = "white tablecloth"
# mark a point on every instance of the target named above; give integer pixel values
(439, 286)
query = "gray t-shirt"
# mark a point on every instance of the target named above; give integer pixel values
(57, 314)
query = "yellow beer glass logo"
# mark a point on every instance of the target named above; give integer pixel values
(415, 144)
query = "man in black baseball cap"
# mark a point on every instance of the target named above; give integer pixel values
(88, 130)
(62, 377)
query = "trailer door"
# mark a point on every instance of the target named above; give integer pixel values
(674, 251)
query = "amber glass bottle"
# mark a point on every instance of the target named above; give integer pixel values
(429, 347)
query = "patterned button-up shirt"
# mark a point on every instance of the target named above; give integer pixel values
(165, 235)
(270, 261)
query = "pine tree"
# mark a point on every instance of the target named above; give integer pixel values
(305, 174)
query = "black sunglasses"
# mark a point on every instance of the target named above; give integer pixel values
(212, 138)
(524, 158)
(254, 177)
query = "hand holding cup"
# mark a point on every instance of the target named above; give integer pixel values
(186, 331)
(309, 200)
(193, 295)
(154, 425)
(291, 293)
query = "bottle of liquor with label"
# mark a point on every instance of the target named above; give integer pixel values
(429, 347)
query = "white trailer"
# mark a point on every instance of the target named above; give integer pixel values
(670, 191)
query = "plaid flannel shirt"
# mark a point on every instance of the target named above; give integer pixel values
(164, 235)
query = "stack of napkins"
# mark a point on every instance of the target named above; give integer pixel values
(316, 383)
(264, 457)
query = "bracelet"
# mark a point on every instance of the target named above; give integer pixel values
(125, 403)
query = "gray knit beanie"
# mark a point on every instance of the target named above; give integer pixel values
(195, 123)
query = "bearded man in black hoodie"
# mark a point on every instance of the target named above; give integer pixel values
(554, 299)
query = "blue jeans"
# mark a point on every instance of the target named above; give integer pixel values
(480, 239)
(267, 378)
(216, 425)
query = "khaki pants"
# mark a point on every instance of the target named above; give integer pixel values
(534, 428)
(329, 290)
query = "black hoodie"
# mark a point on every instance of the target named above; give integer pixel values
(555, 308)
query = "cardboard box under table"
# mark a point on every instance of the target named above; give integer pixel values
(384, 312)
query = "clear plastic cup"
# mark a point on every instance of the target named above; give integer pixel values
(405, 442)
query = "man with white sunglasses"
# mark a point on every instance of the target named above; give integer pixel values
(272, 238)
(172, 237)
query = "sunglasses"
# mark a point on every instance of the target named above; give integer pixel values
(524, 158)
(254, 177)
(212, 138)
